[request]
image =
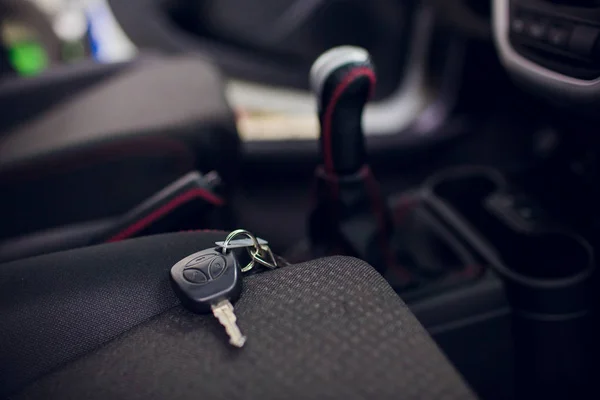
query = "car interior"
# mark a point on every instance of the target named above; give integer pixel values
(354, 140)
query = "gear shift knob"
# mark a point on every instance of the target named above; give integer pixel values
(343, 80)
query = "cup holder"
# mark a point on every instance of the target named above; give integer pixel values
(549, 257)
(546, 271)
(529, 251)
(547, 278)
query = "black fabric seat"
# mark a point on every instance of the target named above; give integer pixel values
(103, 323)
(85, 143)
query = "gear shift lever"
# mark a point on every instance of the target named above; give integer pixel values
(350, 216)
(343, 79)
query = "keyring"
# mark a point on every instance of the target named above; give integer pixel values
(255, 244)
(258, 255)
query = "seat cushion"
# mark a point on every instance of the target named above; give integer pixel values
(102, 322)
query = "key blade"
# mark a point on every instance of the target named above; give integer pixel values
(223, 311)
(239, 243)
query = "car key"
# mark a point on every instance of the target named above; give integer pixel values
(210, 281)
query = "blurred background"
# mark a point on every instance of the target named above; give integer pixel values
(263, 48)
(38, 34)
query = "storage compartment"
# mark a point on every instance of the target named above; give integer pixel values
(428, 259)
(527, 241)
(466, 194)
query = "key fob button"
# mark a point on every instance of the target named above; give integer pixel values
(194, 275)
(216, 268)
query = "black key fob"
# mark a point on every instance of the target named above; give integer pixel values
(205, 278)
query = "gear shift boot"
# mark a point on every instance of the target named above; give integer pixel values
(349, 215)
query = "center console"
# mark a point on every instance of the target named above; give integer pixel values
(551, 46)
(469, 250)
(546, 270)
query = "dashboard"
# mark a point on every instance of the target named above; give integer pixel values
(551, 47)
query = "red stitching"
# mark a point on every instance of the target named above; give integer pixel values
(328, 116)
(378, 209)
(165, 209)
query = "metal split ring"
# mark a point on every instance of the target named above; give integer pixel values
(258, 254)
(250, 236)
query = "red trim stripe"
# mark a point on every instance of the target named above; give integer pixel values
(166, 209)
